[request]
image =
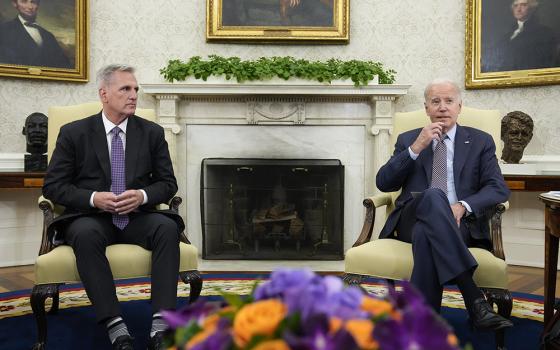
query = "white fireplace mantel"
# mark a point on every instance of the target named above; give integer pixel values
(227, 88)
(277, 120)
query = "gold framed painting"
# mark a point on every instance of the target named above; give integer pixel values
(44, 39)
(292, 21)
(512, 43)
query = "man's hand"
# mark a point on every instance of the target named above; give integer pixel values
(106, 201)
(128, 201)
(458, 212)
(121, 204)
(428, 133)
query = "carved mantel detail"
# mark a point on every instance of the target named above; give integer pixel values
(277, 111)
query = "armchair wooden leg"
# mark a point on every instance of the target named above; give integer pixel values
(39, 295)
(503, 300)
(194, 279)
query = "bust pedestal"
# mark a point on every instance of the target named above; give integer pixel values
(35, 162)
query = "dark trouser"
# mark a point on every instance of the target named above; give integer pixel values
(439, 246)
(90, 235)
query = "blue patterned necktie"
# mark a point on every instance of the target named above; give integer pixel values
(439, 166)
(118, 174)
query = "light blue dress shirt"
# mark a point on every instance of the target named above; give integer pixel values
(450, 143)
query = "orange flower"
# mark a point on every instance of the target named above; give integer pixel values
(261, 317)
(452, 339)
(362, 331)
(277, 344)
(334, 325)
(376, 307)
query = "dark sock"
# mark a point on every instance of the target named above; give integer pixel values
(158, 325)
(116, 327)
(468, 289)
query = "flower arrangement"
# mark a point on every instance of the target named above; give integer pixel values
(264, 68)
(297, 309)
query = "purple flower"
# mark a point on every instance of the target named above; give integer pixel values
(196, 311)
(281, 281)
(219, 340)
(420, 328)
(327, 296)
(314, 335)
(409, 297)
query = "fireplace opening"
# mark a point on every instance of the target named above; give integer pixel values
(272, 209)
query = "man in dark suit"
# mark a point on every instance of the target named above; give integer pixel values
(450, 178)
(24, 42)
(110, 170)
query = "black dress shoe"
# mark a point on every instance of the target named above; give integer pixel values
(123, 342)
(156, 342)
(484, 318)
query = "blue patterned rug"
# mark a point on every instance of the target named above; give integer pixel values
(74, 326)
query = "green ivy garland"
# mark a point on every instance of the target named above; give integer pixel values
(264, 68)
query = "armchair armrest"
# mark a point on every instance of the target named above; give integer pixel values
(48, 208)
(173, 204)
(496, 230)
(371, 203)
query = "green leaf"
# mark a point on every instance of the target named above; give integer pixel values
(263, 68)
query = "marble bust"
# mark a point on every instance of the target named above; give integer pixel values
(517, 131)
(35, 130)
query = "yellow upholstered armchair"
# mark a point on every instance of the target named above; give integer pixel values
(391, 259)
(56, 265)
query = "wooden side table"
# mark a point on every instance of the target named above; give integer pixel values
(552, 233)
(21, 180)
(528, 183)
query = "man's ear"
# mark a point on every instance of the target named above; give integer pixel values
(23, 131)
(102, 94)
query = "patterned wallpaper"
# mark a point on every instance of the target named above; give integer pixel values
(421, 40)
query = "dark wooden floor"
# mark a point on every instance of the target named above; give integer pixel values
(521, 279)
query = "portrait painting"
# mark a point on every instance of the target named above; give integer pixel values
(44, 39)
(512, 43)
(278, 20)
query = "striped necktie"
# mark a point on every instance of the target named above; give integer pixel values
(439, 166)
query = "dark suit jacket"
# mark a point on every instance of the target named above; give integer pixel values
(478, 179)
(17, 47)
(80, 165)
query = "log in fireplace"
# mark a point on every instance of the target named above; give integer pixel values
(272, 208)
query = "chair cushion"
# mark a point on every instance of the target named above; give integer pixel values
(126, 260)
(392, 259)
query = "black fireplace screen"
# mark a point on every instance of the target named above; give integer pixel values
(272, 209)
